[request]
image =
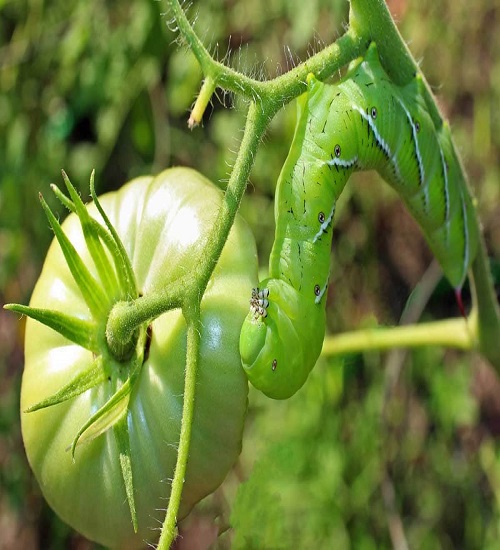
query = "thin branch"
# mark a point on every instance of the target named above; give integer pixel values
(194, 328)
(452, 333)
(282, 89)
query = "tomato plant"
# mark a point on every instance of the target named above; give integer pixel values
(162, 222)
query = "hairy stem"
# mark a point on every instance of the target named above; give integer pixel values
(485, 302)
(194, 329)
(255, 127)
(126, 317)
(280, 90)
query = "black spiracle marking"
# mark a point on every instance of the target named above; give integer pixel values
(317, 290)
(274, 365)
(321, 217)
(373, 112)
(417, 126)
(337, 150)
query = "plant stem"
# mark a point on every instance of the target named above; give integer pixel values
(371, 20)
(278, 91)
(454, 333)
(485, 302)
(194, 328)
(255, 127)
(233, 80)
(126, 317)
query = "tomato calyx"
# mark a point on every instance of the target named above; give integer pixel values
(113, 283)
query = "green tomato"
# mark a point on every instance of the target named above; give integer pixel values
(161, 221)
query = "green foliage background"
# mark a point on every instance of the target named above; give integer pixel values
(358, 458)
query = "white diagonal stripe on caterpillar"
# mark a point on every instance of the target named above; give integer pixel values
(324, 226)
(420, 163)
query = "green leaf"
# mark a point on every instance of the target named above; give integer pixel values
(89, 287)
(81, 383)
(76, 330)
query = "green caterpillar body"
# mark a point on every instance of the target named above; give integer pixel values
(364, 122)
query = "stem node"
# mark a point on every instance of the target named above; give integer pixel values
(121, 332)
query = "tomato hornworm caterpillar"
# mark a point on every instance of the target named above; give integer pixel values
(363, 122)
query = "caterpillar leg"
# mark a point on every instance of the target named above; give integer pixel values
(259, 302)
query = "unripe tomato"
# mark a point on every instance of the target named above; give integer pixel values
(161, 221)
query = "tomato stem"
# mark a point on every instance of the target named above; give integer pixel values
(125, 318)
(194, 329)
(91, 291)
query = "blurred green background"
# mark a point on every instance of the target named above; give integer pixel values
(377, 450)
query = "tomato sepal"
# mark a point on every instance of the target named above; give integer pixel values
(91, 291)
(123, 441)
(79, 331)
(82, 382)
(101, 260)
(99, 294)
(109, 237)
(105, 417)
(122, 260)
